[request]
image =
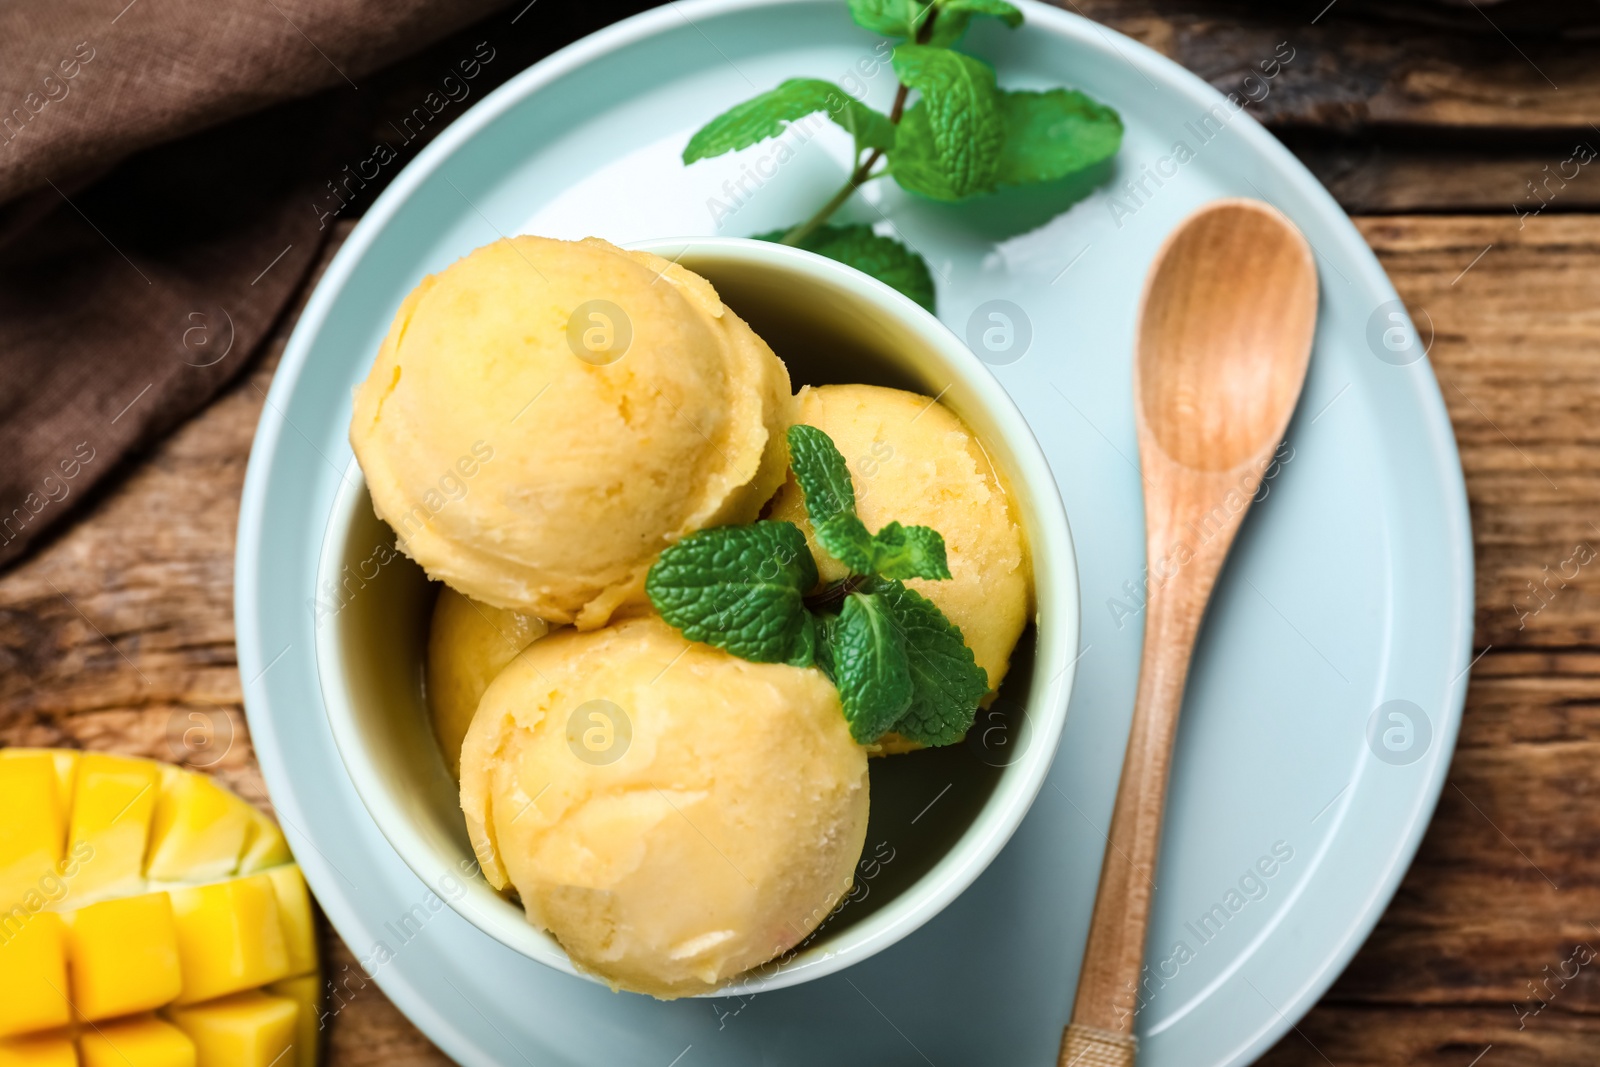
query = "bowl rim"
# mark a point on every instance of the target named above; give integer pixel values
(1018, 785)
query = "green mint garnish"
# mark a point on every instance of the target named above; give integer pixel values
(846, 538)
(741, 588)
(874, 255)
(962, 137)
(893, 552)
(908, 18)
(1010, 15)
(948, 145)
(892, 18)
(895, 658)
(1054, 134)
(946, 681)
(820, 469)
(869, 666)
(769, 114)
(909, 552)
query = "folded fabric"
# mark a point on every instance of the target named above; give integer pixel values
(156, 217)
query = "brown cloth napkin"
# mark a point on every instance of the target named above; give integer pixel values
(139, 272)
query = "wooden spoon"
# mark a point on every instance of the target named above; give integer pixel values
(1225, 330)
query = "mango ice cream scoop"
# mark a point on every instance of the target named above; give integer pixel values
(544, 417)
(671, 814)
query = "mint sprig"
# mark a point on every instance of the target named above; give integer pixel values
(1054, 134)
(962, 137)
(899, 664)
(893, 552)
(948, 144)
(907, 18)
(869, 665)
(769, 114)
(874, 255)
(946, 681)
(820, 469)
(895, 658)
(741, 588)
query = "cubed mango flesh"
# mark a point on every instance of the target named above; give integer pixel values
(138, 1042)
(123, 955)
(33, 973)
(112, 803)
(264, 847)
(294, 914)
(39, 1050)
(229, 937)
(135, 886)
(198, 830)
(65, 761)
(306, 992)
(33, 828)
(251, 1029)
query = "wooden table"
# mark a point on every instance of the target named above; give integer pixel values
(1428, 121)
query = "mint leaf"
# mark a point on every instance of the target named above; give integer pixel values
(948, 27)
(908, 552)
(892, 18)
(1053, 134)
(767, 116)
(820, 469)
(871, 129)
(883, 258)
(946, 681)
(845, 538)
(997, 8)
(823, 654)
(803, 651)
(948, 145)
(906, 18)
(869, 667)
(893, 552)
(740, 588)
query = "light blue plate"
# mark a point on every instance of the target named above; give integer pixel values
(1350, 587)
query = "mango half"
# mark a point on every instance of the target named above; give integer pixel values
(148, 918)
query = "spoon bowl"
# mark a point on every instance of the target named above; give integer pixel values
(1233, 290)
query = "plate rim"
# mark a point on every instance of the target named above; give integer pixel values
(252, 656)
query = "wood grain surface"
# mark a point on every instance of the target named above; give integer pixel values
(1425, 120)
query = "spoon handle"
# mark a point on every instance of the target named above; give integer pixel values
(1109, 994)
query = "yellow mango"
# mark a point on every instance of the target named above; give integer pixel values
(113, 801)
(65, 761)
(123, 955)
(294, 912)
(38, 1050)
(229, 937)
(32, 830)
(198, 829)
(306, 992)
(33, 975)
(251, 1029)
(134, 886)
(265, 846)
(140, 1042)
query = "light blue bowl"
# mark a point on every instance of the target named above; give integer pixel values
(830, 323)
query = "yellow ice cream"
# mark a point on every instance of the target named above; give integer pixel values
(673, 815)
(546, 416)
(913, 461)
(468, 645)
